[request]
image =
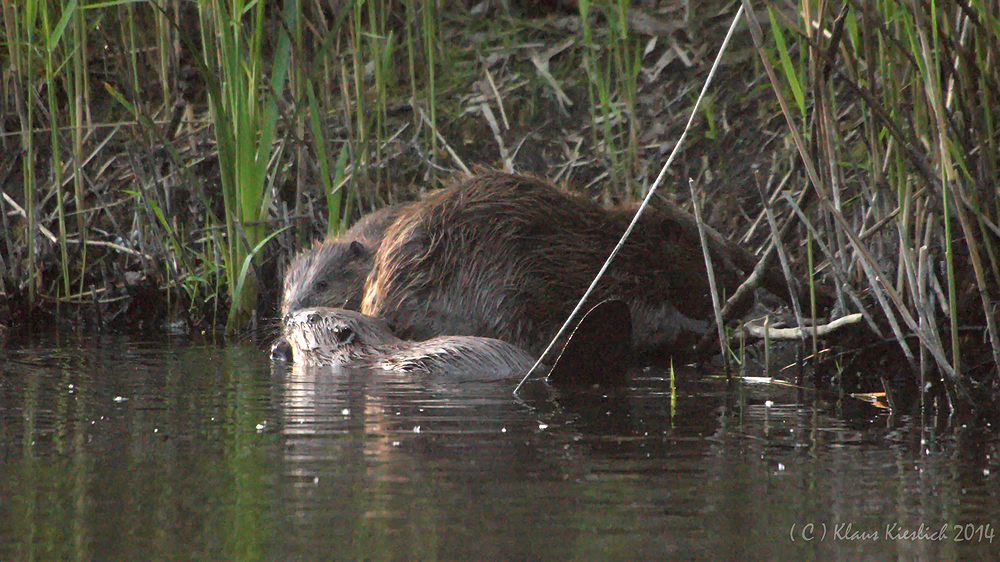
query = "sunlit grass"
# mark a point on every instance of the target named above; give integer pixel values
(243, 100)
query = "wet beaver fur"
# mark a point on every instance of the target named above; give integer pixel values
(330, 336)
(507, 256)
(333, 272)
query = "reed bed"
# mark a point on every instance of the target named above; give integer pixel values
(162, 160)
(891, 108)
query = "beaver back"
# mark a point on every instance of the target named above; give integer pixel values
(508, 256)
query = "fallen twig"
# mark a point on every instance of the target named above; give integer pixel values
(803, 332)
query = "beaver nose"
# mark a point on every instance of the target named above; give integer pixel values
(287, 319)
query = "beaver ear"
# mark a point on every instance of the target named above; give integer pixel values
(343, 334)
(357, 249)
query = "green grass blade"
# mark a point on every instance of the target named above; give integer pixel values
(786, 64)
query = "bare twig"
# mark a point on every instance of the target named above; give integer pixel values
(541, 62)
(782, 256)
(711, 276)
(508, 164)
(440, 137)
(802, 332)
(20, 210)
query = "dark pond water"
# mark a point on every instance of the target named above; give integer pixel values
(180, 450)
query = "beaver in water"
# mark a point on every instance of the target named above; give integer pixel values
(331, 336)
(596, 352)
(508, 256)
(333, 272)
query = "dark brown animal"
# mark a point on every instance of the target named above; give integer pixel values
(333, 272)
(329, 336)
(507, 256)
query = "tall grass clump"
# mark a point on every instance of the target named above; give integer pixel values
(243, 103)
(429, 33)
(372, 45)
(897, 104)
(51, 35)
(362, 68)
(46, 44)
(78, 88)
(258, 77)
(20, 26)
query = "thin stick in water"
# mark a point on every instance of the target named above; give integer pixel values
(710, 271)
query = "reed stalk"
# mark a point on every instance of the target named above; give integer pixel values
(429, 20)
(78, 85)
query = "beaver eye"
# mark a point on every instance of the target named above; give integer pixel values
(343, 334)
(321, 285)
(313, 317)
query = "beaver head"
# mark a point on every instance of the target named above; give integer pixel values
(330, 275)
(331, 336)
(328, 336)
(333, 273)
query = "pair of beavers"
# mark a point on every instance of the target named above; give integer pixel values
(500, 257)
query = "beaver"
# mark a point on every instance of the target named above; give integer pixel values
(507, 256)
(332, 336)
(596, 353)
(333, 272)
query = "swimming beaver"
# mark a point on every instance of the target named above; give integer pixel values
(507, 256)
(596, 353)
(330, 336)
(333, 272)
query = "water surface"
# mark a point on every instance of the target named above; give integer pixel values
(115, 449)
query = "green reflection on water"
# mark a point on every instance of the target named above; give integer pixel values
(246, 527)
(134, 466)
(194, 452)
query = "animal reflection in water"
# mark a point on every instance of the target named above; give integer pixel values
(595, 353)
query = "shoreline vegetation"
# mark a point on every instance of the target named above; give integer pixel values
(163, 160)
